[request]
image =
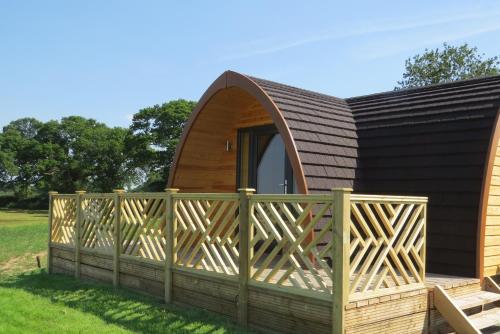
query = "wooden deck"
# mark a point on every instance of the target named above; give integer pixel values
(449, 282)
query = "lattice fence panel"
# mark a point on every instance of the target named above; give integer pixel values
(143, 226)
(387, 244)
(97, 226)
(63, 219)
(206, 233)
(292, 241)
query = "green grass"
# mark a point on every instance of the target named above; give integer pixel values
(22, 232)
(39, 303)
(33, 302)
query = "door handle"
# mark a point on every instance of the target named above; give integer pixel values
(285, 186)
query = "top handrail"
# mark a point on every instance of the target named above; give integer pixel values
(273, 197)
(388, 198)
(291, 197)
(63, 195)
(221, 196)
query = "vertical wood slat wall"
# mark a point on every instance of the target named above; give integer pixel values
(341, 199)
(492, 229)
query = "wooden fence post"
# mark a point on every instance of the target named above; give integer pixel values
(170, 257)
(340, 256)
(78, 234)
(244, 254)
(117, 237)
(49, 248)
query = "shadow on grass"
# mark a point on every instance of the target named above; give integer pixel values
(131, 311)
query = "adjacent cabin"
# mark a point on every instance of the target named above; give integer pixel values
(439, 141)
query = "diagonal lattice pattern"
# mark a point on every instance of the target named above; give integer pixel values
(143, 226)
(290, 236)
(97, 226)
(206, 233)
(387, 244)
(63, 219)
(292, 241)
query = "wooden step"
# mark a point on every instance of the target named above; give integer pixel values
(476, 299)
(486, 318)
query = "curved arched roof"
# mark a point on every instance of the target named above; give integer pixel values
(318, 130)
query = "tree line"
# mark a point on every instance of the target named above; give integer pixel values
(80, 153)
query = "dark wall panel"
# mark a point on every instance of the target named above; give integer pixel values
(431, 142)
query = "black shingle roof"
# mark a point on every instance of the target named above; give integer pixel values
(324, 132)
(430, 141)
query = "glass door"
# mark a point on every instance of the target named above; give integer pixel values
(262, 161)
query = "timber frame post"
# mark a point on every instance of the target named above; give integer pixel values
(169, 237)
(49, 248)
(244, 253)
(340, 256)
(117, 236)
(78, 231)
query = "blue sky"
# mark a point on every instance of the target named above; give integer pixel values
(107, 59)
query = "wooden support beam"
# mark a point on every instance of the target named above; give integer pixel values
(49, 248)
(244, 253)
(340, 257)
(452, 313)
(169, 237)
(423, 268)
(117, 236)
(78, 232)
(491, 285)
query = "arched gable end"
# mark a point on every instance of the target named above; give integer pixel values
(200, 162)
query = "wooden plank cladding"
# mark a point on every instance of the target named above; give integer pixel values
(204, 164)
(265, 260)
(491, 242)
(213, 294)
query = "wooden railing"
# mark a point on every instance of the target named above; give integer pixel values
(97, 222)
(142, 225)
(291, 242)
(206, 232)
(63, 213)
(336, 246)
(387, 247)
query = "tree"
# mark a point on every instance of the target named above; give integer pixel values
(449, 64)
(75, 153)
(95, 156)
(155, 132)
(78, 153)
(20, 156)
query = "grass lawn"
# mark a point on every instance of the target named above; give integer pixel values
(33, 302)
(22, 232)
